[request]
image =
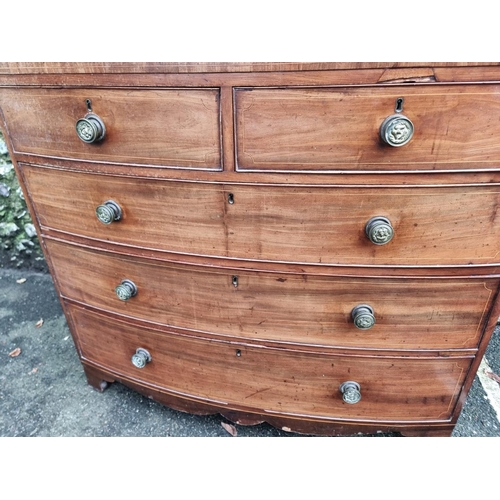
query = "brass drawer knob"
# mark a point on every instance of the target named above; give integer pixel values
(396, 130)
(351, 392)
(90, 128)
(126, 290)
(379, 230)
(363, 316)
(141, 358)
(108, 212)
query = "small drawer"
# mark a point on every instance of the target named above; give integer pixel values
(376, 313)
(257, 378)
(429, 226)
(156, 127)
(339, 129)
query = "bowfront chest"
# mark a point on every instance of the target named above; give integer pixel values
(312, 245)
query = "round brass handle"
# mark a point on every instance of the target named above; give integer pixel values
(126, 290)
(90, 128)
(396, 130)
(351, 392)
(108, 212)
(141, 358)
(379, 230)
(363, 316)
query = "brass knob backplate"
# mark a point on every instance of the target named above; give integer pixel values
(379, 230)
(363, 316)
(108, 212)
(141, 358)
(90, 128)
(396, 130)
(126, 290)
(351, 392)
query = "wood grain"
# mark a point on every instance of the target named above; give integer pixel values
(280, 382)
(204, 67)
(410, 314)
(324, 179)
(235, 265)
(433, 226)
(97, 375)
(296, 146)
(338, 129)
(170, 128)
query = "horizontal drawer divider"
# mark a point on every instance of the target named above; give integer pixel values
(363, 179)
(477, 271)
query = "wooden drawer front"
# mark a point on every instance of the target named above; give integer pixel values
(177, 128)
(278, 381)
(433, 226)
(172, 216)
(455, 127)
(410, 314)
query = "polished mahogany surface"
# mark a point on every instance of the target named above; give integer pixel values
(313, 245)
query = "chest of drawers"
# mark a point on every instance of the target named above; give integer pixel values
(310, 245)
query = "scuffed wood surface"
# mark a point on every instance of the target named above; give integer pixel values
(182, 138)
(179, 128)
(243, 377)
(456, 127)
(206, 67)
(410, 314)
(433, 226)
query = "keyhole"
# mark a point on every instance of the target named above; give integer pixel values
(235, 281)
(230, 198)
(399, 104)
(88, 102)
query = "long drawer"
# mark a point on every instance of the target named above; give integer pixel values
(321, 225)
(158, 127)
(273, 380)
(338, 129)
(286, 308)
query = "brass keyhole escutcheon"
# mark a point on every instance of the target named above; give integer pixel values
(397, 129)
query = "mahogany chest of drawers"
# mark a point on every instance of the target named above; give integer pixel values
(313, 245)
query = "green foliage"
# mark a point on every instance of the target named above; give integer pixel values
(19, 245)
